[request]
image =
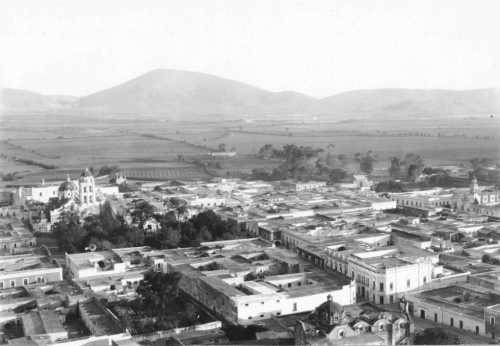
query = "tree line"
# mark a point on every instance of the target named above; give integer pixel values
(108, 230)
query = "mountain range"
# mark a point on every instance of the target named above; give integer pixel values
(166, 93)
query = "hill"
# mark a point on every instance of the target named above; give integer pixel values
(173, 92)
(401, 103)
(17, 100)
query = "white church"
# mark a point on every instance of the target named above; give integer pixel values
(80, 195)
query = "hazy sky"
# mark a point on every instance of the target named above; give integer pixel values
(315, 47)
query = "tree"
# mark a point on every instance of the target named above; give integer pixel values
(158, 291)
(143, 210)
(395, 167)
(366, 161)
(337, 175)
(9, 177)
(69, 233)
(267, 152)
(107, 170)
(436, 336)
(414, 166)
(389, 186)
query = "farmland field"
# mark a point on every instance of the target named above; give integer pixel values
(149, 148)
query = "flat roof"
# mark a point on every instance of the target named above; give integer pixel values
(42, 322)
(463, 298)
(16, 263)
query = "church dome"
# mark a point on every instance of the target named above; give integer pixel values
(68, 186)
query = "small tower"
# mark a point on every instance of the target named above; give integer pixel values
(86, 188)
(474, 188)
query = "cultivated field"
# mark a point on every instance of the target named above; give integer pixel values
(148, 148)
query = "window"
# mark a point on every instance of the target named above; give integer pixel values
(352, 274)
(289, 285)
(391, 286)
(262, 302)
(381, 287)
(425, 279)
(12, 283)
(451, 321)
(294, 306)
(461, 324)
(477, 330)
(381, 299)
(262, 315)
(1, 285)
(435, 317)
(84, 189)
(25, 282)
(492, 320)
(246, 304)
(408, 283)
(373, 284)
(391, 299)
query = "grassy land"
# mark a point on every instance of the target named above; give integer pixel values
(154, 145)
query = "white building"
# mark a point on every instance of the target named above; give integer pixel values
(25, 270)
(383, 273)
(300, 186)
(83, 191)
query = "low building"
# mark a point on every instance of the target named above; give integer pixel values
(27, 270)
(151, 225)
(88, 265)
(248, 280)
(462, 306)
(15, 237)
(300, 186)
(43, 326)
(99, 320)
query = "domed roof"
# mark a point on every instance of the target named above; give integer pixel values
(331, 307)
(68, 186)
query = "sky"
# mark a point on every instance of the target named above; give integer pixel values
(315, 47)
